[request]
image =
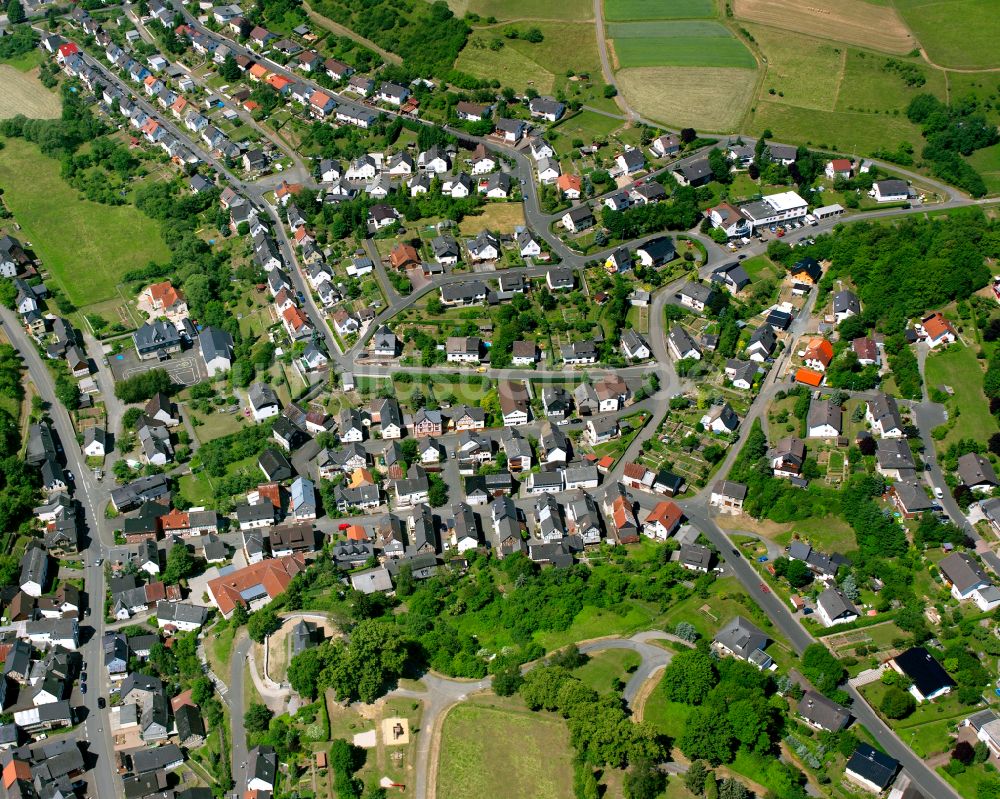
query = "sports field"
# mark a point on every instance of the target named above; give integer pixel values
(618, 10)
(526, 755)
(955, 33)
(849, 21)
(22, 93)
(85, 246)
(706, 98)
(677, 43)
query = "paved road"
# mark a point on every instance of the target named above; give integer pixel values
(98, 537)
(234, 698)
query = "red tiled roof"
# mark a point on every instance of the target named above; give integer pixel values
(809, 377)
(175, 520)
(272, 575)
(16, 770)
(666, 513)
(819, 349)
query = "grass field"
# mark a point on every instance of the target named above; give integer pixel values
(571, 10)
(525, 755)
(954, 33)
(502, 217)
(958, 368)
(617, 10)
(603, 668)
(681, 43)
(987, 163)
(849, 21)
(709, 99)
(520, 64)
(667, 717)
(22, 93)
(85, 246)
(588, 126)
(821, 92)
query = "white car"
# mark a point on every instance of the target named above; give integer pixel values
(938, 493)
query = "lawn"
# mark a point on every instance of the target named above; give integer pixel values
(969, 411)
(594, 622)
(26, 61)
(524, 754)
(760, 267)
(603, 668)
(667, 717)
(618, 10)
(499, 217)
(727, 600)
(681, 43)
(711, 99)
(588, 126)
(955, 33)
(85, 246)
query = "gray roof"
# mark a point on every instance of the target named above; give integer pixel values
(894, 453)
(730, 489)
(823, 712)
(962, 571)
(262, 395)
(835, 603)
(682, 340)
(975, 470)
(874, 766)
(697, 291)
(215, 343)
(884, 410)
(846, 301)
(892, 186)
(154, 335)
(823, 412)
(912, 496)
(156, 758)
(180, 611)
(741, 637)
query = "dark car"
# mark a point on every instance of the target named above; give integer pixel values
(102, 703)
(83, 688)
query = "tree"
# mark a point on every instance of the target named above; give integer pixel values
(897, 703)
(507, 679)
(850, 588)
(257, 718)
(644, 780)
(798, 574)
(686, 631)
(707, 736)
(239, 617)
(180, 564)
(438, 493)
(262, 623)
(15, 12)
(963, 753)
(143, 386)
(229, 69)
(689, 677)
(694, 779)
(822, 669)
(304, 672)
(733, 789)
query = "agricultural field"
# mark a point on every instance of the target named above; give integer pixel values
(855, 21)
(818, 91)
(104, 242)
(525, 756)
(954, 33)
(618, 10)
(22, 93)
(706, 98)
(521, 64)
(682, 43)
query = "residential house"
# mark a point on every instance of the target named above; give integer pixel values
(825, 419)
(976, 472)
(882, 413)
(833, 607)
(871, 769)
(695, 295)
(936, 330)
(890, 191)
(681, 345)
(821, 713)
(663, 521)
(743, 640)
(728, 496)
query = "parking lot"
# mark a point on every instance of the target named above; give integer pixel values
(185, 368)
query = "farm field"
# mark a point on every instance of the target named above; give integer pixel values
(954, 33)
(22, 93)
(684, 43)
(617, 10)
(543, 66)
(104, 242)
(855, 21)
(709, 99)
(815, 90)
(526, 755)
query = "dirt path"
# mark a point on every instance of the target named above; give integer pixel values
(340, 30)
(606, 69)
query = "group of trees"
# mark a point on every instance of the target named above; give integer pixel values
(600, 729)
(90, 173)
(951, 132)
(681, 213)
(63, 136)
(215, 455)
(143, 386)
(359, 669)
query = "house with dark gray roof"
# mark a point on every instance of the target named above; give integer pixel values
(216, 350)
(822, 713)
(871, 769)
(156, 339)
(928, 677)
(976, 472)
(833, 607)
(743, 640)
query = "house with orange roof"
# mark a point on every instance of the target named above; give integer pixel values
(279, 83)
(296, 322)
(809, 378)
(250, 105)
(936, 330)
(625, 522)
(286, 191)
(151, 129)
(322, 105)
(818, 354)
(178, 107)
(14, 771)
(257, 72)
(361, 478)
(162, 299)
(269, 492)
(570, 185)
(303, 236)
(254, 586)
(663, 521)
(403, 256)
(177, 522)
(357, 533)
(635, 475)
